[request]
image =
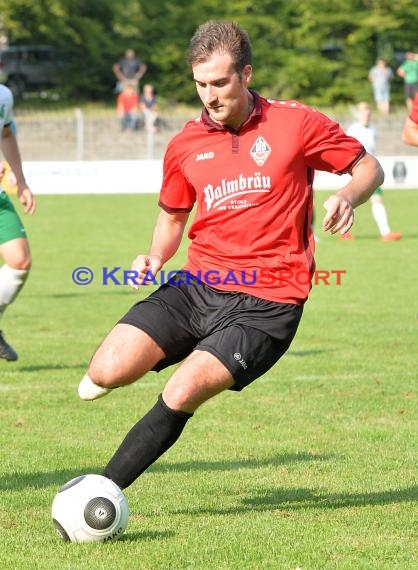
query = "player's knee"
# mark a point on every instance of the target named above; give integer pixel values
(181, 399)
(26, 263)
(21, 260)
(107, 370)
(103, 374)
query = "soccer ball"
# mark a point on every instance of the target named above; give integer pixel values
(90, 508)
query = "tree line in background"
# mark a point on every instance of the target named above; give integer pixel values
(313, 50)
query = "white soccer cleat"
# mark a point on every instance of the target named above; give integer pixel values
(88, 390)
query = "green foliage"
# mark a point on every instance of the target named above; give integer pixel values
(312, 50)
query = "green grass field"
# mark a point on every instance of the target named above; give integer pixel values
(312, 467)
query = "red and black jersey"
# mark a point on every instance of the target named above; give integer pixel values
(253, 195)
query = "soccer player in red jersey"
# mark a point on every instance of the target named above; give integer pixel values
(247, 166)
(410, 129)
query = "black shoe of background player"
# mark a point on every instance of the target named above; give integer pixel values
(6, 351)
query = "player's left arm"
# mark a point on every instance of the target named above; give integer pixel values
(366, 176)
(141, 71)
(11, 153)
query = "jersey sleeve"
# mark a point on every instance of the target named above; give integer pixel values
(177, 194)
(414, 111)
(327, 147)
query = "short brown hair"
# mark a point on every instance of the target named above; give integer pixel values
(224, 37)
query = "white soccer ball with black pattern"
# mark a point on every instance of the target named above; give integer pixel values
(90, 508)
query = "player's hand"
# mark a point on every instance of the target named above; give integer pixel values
(339, 216)
(147, 267)
(27, 199)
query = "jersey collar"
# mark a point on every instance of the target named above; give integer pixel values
(211, 125)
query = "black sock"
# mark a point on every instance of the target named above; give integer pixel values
(156, 432)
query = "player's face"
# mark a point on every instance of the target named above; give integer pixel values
(223, 92)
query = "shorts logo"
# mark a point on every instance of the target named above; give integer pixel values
(205, 156)
(260, 151)
(238, 356)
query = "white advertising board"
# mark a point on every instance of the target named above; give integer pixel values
(145, 176)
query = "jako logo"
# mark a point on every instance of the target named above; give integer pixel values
(237, 356)
(205, 156)
(114, 534)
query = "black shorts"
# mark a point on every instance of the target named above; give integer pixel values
(410, 90)
(246, 333)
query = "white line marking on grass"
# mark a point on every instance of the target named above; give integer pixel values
(8, 387)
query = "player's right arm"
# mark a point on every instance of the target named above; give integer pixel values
(167, 236)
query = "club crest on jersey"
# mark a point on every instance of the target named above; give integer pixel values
(260, 151)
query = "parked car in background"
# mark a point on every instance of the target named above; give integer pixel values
(28, 68)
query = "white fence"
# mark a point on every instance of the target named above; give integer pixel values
(91, 135)
(145, 176)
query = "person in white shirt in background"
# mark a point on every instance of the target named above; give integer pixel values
(365, 132)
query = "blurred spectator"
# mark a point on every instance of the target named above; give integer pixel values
(148, 106)
(410, 129)
(127, 105)
(365, 132)
(129, 68)
(409, 72)
(380, 77)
